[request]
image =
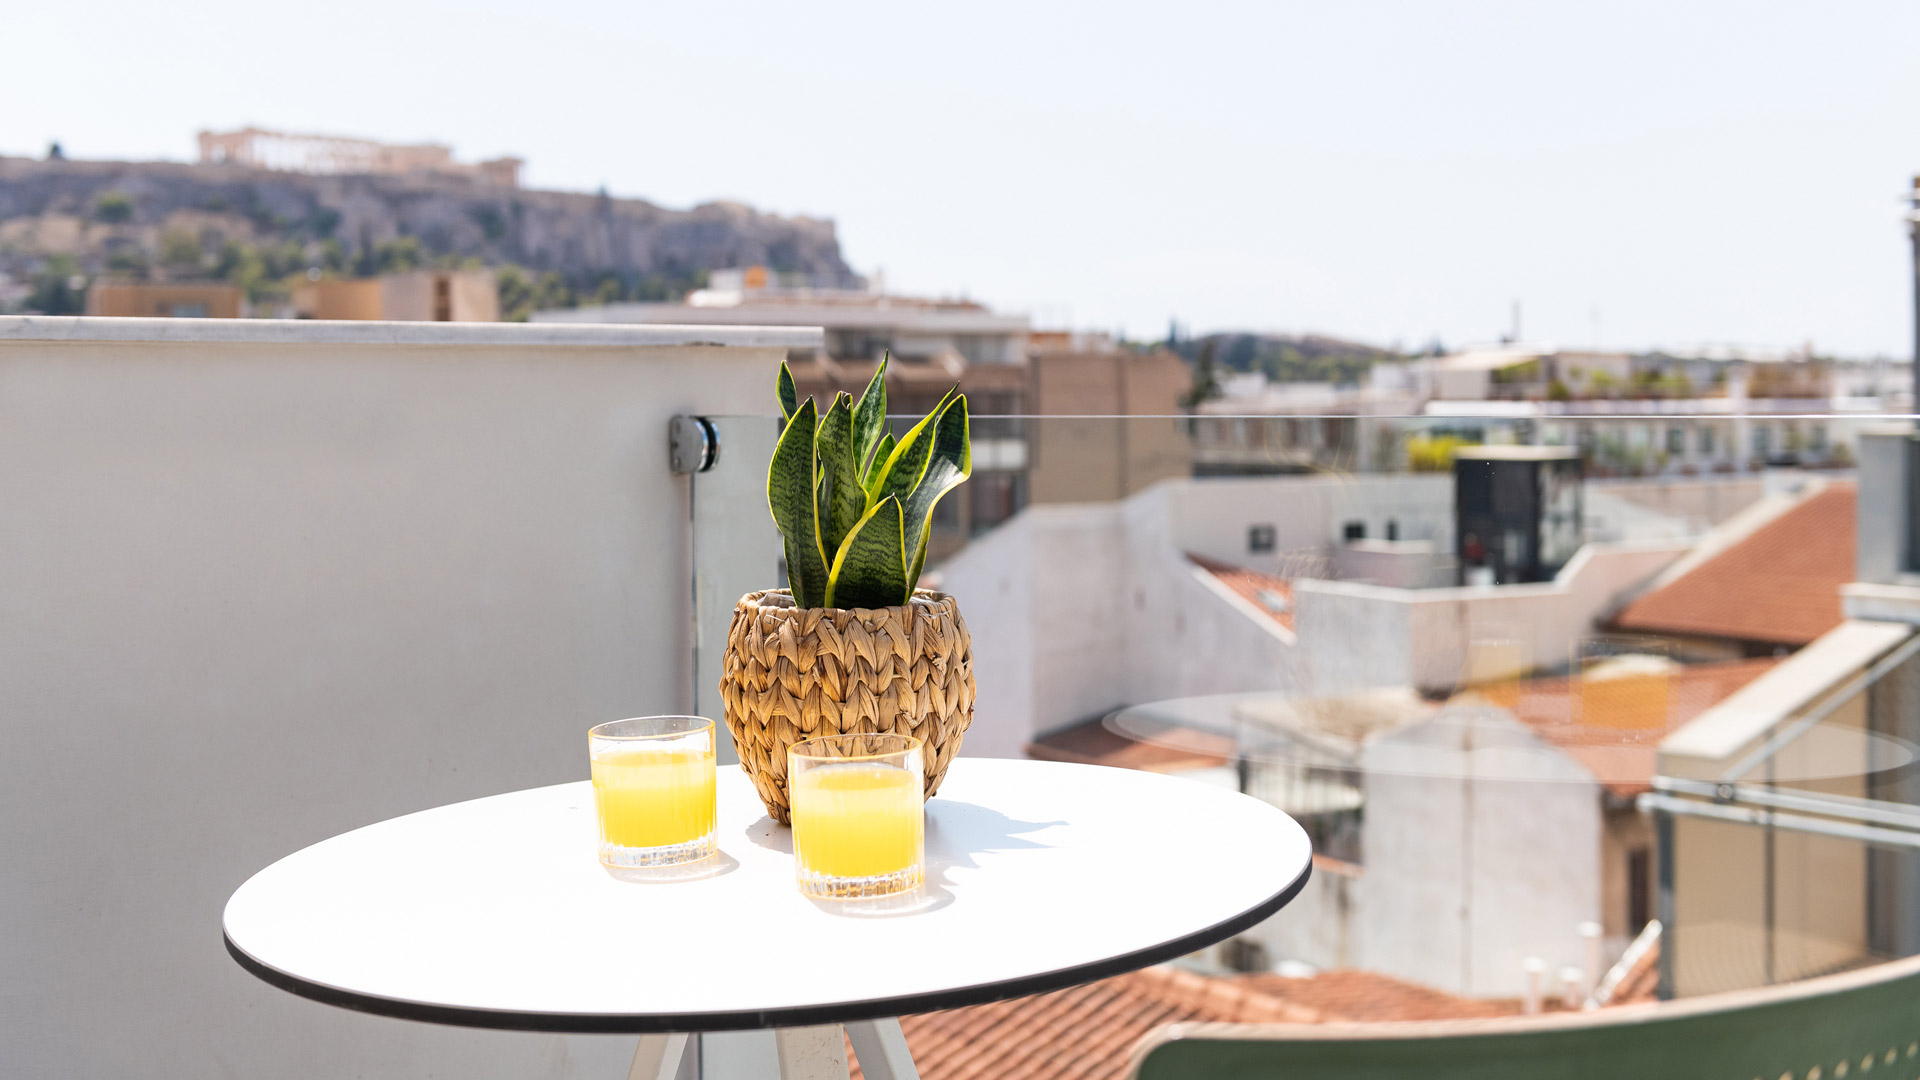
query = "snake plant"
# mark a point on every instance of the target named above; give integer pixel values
(852, 503)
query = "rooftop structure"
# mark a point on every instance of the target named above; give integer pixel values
(1083, 385)
(413, 296)
(1768, 581)
(341, 154)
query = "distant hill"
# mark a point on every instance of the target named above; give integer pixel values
(1286, 358)
(259, 228)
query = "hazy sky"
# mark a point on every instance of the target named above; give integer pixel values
(1635, 174)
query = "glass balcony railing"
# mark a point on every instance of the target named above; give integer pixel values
(1579, 708)
(1487, 659)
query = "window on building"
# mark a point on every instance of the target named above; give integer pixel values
(1704, 439)
(1817, 437)
(1261, 539)
(1393, 529)
(946, 515)
(1762, 441)
(1676, 440)
(996, 496)
(1353, 530)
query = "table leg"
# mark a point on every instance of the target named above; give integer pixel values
(658, 1057)
(881, 1049)
(812, 1053)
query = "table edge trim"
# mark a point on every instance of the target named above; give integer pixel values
(760, 1019)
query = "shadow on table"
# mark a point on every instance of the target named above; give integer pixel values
(957, 832)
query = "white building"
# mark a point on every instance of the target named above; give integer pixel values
(860, 325)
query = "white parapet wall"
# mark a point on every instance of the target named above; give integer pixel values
(1080, 609)
(265, 582)
(1422, 637)
(1466, 878)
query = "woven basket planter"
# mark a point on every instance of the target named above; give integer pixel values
(795, 673)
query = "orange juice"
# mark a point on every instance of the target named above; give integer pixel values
(857, 820)
(653, 797)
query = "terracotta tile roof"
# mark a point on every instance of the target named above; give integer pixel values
(1367, 996)
(1614, 726)
(1778, 585)
(1092, 743)
(1086, 1032)
(1272, 595)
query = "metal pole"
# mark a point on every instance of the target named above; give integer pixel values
(1913, 231)
(1663, 900)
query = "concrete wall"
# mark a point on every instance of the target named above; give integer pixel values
(1701, 503)
(1880, 536)
(267, 582)
(1078, 610)
(1317, 927)
(1212, 517)
(1421, 637)
(1465, 879)
(1106, 427)
(1400, 564)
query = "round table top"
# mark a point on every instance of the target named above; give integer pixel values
(496, 913)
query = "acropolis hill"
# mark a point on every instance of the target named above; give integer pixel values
(125, 217)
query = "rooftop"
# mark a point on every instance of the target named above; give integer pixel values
(1272, 595)
(1613, 726)
(1087, 1031)
(1779, 584)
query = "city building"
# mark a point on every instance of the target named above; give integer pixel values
(414, 296)
(1675, 412)
(1047, 407)
(1791, 846)
(185, 300)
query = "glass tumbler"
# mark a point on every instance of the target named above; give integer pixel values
(859, 826)
(653, 789)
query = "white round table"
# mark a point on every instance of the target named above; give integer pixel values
(495, 913)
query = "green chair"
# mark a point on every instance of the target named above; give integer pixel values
(1861, 1025)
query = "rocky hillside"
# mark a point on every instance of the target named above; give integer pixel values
(65, 223)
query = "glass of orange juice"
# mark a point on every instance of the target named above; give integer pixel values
(858, 815)
(653, 787)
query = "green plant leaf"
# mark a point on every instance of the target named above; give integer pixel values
(879, 459)
(789, 394)
(790, 495)
(870, 416)
(901, 474)
(841, 500)
(871, 569)
(949, 463)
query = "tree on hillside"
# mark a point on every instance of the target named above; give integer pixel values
(1206, 379)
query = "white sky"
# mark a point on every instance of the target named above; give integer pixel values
(1633, 173)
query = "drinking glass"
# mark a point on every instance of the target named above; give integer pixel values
(858, 815)
(653, 788)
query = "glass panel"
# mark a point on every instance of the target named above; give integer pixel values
(736, 549)
(1478, 654)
